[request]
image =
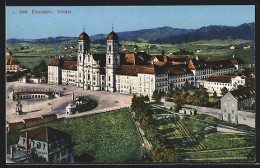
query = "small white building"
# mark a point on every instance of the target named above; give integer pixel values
(218, 82)
(188, 111)
(232, 47)
(246, 47)
(71, 108)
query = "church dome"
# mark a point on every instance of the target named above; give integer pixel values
(112, 36)
(83, 36)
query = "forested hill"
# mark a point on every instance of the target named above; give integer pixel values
(164, 35)
(245, 31)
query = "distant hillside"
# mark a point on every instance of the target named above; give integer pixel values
(42, 40)
(245, 31)
(164, 35)
(144, 34)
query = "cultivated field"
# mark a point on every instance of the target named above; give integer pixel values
(186, 135)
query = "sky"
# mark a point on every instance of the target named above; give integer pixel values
(24, 22)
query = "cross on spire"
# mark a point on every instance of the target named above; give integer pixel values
(112, 27)
(83, 28)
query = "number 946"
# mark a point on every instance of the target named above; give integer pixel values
(23, 12)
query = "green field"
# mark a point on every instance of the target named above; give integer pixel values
(109, 137)
(211, 49)
(185, 135)
(245, 155)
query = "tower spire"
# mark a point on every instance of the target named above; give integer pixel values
(112, 27)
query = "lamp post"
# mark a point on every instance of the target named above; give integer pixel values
(142, 146)
(52, 102)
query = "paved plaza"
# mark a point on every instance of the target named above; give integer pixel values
(36, 107)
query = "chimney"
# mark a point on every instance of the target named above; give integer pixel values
(233, 56)
(162, 52)
(26, 139)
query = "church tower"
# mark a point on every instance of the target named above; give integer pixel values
(112, 61)
(83, 50)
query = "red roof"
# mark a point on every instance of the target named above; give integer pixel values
(46, 134)
(132, 70)
(29, 93)
(243, 93)
(11, 62)
(56, 62)
(70, 65)
(130, 58)
(220, 78)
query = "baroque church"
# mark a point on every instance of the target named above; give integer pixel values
(91, 71)
(135, 72)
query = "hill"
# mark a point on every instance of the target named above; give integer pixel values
(245, 31)
(164, 35)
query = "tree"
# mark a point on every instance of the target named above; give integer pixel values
(215, 94)
(204, 98)
(224, 91)
(146, 98)
(184, 95)
(189, 99)
(178, 99)
(140, 108)
(169, 93)
(164, 153)
(157, 96)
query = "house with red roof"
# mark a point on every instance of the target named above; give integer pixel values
(218, 82)
(11, 65)
(49, 144)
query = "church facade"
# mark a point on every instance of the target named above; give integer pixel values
(134, 72)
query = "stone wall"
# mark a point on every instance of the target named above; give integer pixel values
(30, 122)
(247, 118)
(244, 117)
(206, 110)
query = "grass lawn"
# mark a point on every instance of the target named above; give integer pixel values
(109, 137)
(214, 100)
(159, 111)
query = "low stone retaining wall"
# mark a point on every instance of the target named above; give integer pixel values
(30, 122)
(244, 117)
